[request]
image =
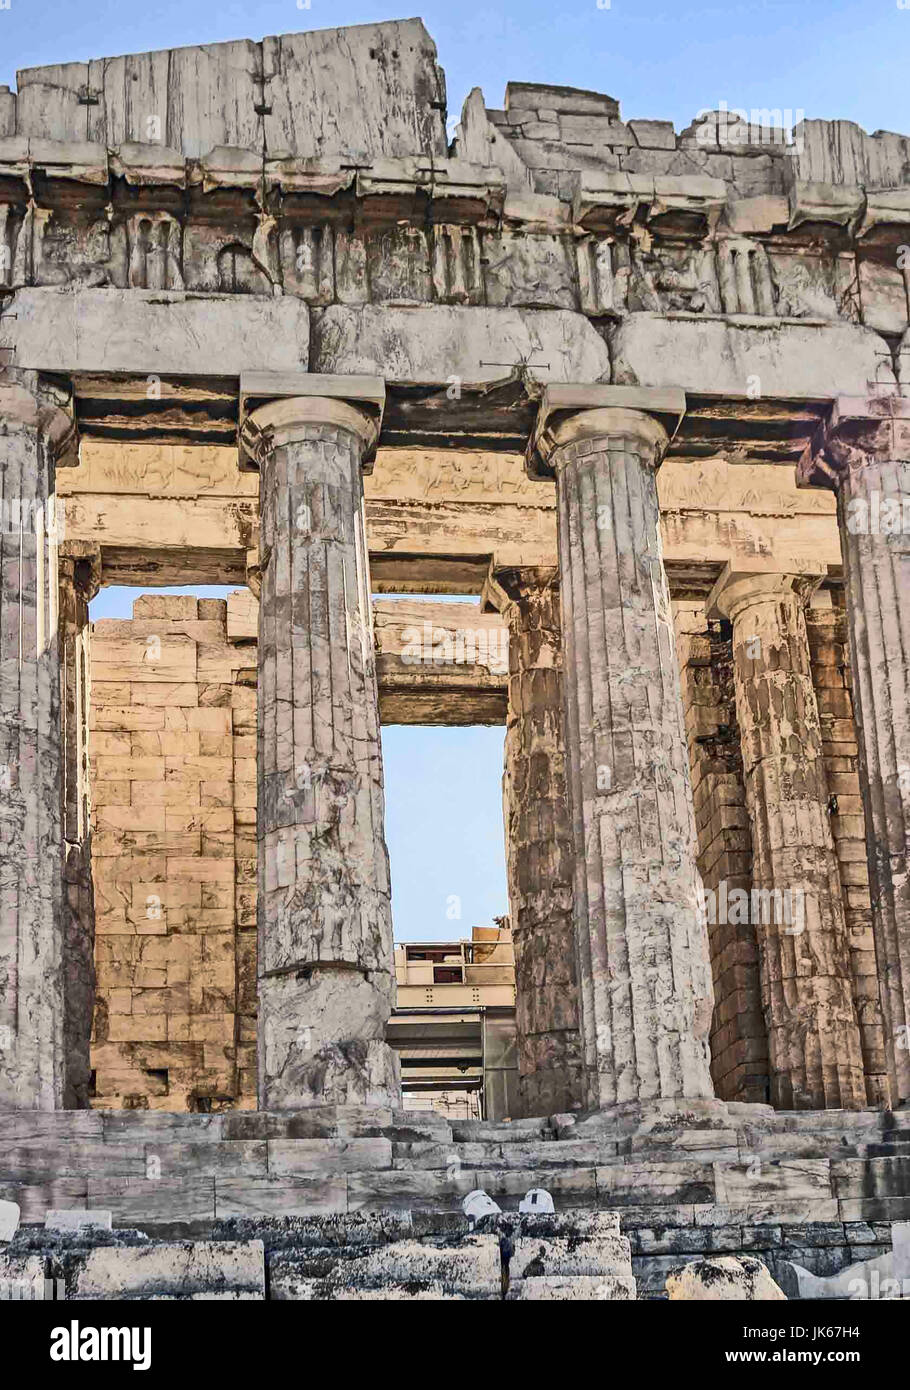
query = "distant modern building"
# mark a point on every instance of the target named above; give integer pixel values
(454, 1027)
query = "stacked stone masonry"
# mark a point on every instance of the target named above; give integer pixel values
(173, 741)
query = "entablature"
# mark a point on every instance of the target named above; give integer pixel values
(417, 230)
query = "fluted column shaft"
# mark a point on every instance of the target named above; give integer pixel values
(867, 461)
(643, 957)
(33, 431)
(540, 848)
(796, 905)
(79, 572)
(326, 974)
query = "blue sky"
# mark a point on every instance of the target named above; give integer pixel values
(665, 59)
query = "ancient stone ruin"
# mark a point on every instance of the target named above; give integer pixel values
(642, 398)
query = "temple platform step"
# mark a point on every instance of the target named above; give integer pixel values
(819, 1188)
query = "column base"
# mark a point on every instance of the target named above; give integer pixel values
(354, 1073)
(321, 1042)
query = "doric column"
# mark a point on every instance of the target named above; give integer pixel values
(80, 579)
(326, 970)
(642, 946)
(739, 1038)
(795, 905)
(35, 434)
(866, 460)
(539, 845)
(829, 652)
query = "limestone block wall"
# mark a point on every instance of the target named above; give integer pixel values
(826, 624)
(173, 768)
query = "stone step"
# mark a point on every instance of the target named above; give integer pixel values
(38, 1126)
(177, 1270)
(471, 1268)
(577, 1288)
(565, 1255)
(514, 1132)
(335, 1122)
(569, 1256)
(496, 1155)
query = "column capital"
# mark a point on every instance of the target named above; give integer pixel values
(80, 563)
(744, 584)
(254, 571)
(28, 405)
(278, 407)
(573, 412)
(507, 584)
(861, 430)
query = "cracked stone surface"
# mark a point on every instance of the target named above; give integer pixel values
(816, 1059)
(643, 956)
(540, 849)
(32, 1045)
(326, 979)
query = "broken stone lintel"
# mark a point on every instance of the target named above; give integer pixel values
(885, 207)
(445, 178)
(627, 194)
(78, 160)
(149, 165)
(840, 204)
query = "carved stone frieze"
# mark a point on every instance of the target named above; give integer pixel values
(814, 287)
(457, 276)
(529, 272)
(155, 252)
(533, 262)
(307, 256)
(665, 278)
(398, 266)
